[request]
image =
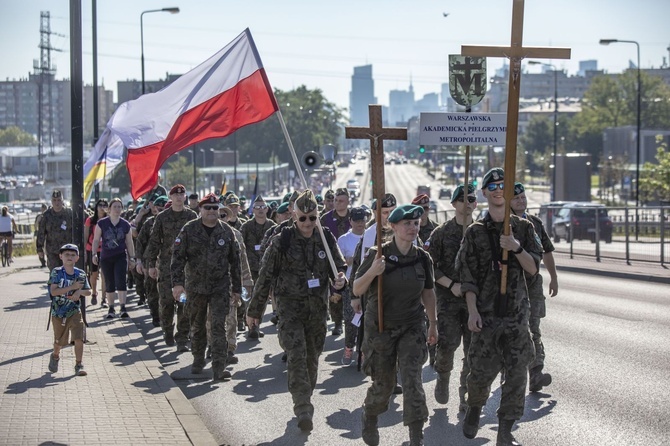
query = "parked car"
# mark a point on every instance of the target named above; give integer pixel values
(359, 172)
(547, 214)
(354, 188)
(577, 221)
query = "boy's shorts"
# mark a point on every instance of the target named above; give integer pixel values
(73, 325)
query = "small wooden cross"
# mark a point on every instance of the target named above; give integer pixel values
(376, 133)
(515, 53)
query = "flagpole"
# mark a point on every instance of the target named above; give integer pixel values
(304, 183)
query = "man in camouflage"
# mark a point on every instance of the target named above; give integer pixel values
(55, 230)
(253, 231)
(233, 202)
(536, 378)
(427, 225)
(452, 312)
(206, 266)
(302, 276)
(150, 285)
(501, 339)
(167, 226)
(247, 282)
(337, 220)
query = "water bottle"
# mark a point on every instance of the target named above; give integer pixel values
(182, 297)
(245, 296)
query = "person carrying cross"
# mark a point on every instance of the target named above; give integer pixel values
(498, 318)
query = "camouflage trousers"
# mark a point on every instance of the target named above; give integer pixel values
(452, 325)
(336, 310)
(151, 290)
(537, 312)
(53, 260)
(197, 306)
(302, 337)
(231, 327)
(139, 283)
(400, 347)
(166, 311)
(502, 344)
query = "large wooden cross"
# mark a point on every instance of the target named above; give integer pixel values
(515, 53)
(376, 133)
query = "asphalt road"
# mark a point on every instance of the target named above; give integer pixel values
(607, 349)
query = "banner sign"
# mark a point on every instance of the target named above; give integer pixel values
(460, 129)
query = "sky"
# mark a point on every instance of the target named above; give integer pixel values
(317, 43)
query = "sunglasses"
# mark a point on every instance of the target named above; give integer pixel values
(260, 206)
(493, 186)
(304, 218)
(211, 208)
(470, 199)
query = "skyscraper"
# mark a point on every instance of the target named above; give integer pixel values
(362, 94)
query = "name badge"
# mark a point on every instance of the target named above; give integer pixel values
(313, 283)
(63, 226)
(257, 247)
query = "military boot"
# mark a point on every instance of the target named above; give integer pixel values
(168, 336)
(471, 421)
(463, 405)
(370, 431)
(537, 380)
(505, 437)
(442, 388)
(416, 433)
(305, 421)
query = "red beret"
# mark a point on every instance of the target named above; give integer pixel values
(178, 189)
(421, 200)
(210, 198)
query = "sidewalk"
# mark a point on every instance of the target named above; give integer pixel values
(647, 272)
(127, 397)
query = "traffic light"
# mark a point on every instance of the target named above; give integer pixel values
(422, 149)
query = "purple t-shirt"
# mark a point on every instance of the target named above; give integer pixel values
(113, 239)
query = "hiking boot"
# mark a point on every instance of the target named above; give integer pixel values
(505, 437)
(337, 329)
(471, 421)
(416, 433)
(142, 300)
(220, 375)
(53, 363)
(94, 299)
(156, 322)
(182, 347)
(305, 421)
(537, 380)
(111, 314)
(232, 359)
(197, 367)
(348, 356)
(274, 319)
(79, 370)
(43, 263)
(442, 388)
(124, 314)
(168, 337)
(255, 333)
(370, 431)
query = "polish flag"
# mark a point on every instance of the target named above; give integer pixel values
(218, 97)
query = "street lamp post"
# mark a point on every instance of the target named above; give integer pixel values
(639, 122)
(553, 180)
(171, 11)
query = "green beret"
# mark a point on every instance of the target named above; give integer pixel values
(458, 192)
(387, 202)
(283, 208)
(319, 198)
(161, 201)
(495, 174)
(306, 202)
(286, 198)
(519, 188)
(405, 212)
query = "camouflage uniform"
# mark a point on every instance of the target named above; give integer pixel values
(452, 311)
(167, 226)
(207, 266)
(426, 230)
(338, 226)
(55, 230)
(401, 346)
(504, 341)
(538, 308)
(253, 234)
(302, 311)
(150, 284)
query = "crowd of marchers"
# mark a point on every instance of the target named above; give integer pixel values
(207, 267)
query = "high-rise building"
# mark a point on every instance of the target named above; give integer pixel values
(587, 65)
(401, 106)
(362, 94)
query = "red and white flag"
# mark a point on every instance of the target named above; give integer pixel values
(221, 95)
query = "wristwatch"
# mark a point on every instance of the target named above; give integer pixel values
(519, 251)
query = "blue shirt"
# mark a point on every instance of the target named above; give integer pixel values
(61, 306)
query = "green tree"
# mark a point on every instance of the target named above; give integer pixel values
(180, 171)
(655, 178)
(14, 136)
(536, 140)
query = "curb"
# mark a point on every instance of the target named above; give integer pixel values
(615, 274)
